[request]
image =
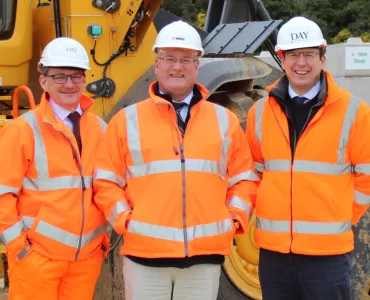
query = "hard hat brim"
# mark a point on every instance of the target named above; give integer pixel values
(321, 43)
(155, 47)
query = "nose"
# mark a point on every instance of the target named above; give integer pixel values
(177, 65)
(69, 82)
(301, 60)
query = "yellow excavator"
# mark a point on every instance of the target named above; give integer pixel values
(118, 35)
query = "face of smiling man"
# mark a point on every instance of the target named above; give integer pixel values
(303, 68)
(176, 70)
(67, 94)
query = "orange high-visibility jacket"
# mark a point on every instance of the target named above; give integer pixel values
(180, 195)
(46, 186)
(307, 203)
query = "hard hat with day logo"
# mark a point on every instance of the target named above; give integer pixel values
(179, 34)
(298, 33)
(64, 52)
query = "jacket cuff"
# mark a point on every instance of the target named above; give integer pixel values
(121, 222)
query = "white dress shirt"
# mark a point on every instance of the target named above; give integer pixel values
(62, 113)
(309, 95)
(185, 109)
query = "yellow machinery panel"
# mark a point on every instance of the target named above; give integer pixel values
(16, 52)
(134, 19)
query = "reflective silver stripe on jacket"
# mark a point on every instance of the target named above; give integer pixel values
(102, 123)
(259, 114)
(167, 166)
(251, 175)
(316, 228)
(238, 203)
(28, 221)
(110, 176)
(67, 238)
(223, 125)
(140, 168)
(362, 169)
(339, 168)
(177, 234)
(63, 236)
(362, 198)
(133, 135)
(120, 206)
(43, 182)
(11, 233)
(56, 183)
(4, 189)
(259, 166)
(41, 161)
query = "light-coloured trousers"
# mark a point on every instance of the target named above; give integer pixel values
(199, 282)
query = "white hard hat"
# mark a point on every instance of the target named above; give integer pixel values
(64, 52)
(179, 34)
(299, 32)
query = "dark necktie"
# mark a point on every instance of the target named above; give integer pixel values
(300, 100)
(180, 122)
(75, 119)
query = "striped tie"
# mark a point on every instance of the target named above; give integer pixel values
(180, 121)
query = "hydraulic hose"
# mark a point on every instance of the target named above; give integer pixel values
(263, 15)
(58, 30)
(29, 94)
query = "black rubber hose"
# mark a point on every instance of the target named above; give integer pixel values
(58, 30)
(263, 15)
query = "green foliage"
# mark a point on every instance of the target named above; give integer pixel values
(345, 34)
(186, 9)
(200, 20)
(365, 37)
(342, 36)
(336, 18)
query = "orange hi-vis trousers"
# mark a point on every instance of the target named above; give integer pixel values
(36, 277)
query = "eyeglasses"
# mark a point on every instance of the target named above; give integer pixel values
(62, 78)
(183, 61)
(308, 56)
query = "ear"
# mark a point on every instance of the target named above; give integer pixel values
(323, 61)
(282, 62)
(156, 65)
(197, 66)
(43, 83)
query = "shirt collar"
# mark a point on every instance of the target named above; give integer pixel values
(186, 100)
(310, 94)
(61, 112)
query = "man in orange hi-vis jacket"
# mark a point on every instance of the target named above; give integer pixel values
(174, 176)
(310, 140)
(54, 234)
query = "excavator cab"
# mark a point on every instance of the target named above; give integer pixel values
(15, 53)
(7, 19)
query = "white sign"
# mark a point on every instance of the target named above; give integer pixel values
(1, 81)
(357, 58)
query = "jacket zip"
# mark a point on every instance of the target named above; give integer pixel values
(83, 186)
(77, 156)
(291, 176)
(184, 198)
(183, 183)
(295, 142)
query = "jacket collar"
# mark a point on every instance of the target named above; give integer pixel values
(329, 91)
(200, 94)
(48, 113)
